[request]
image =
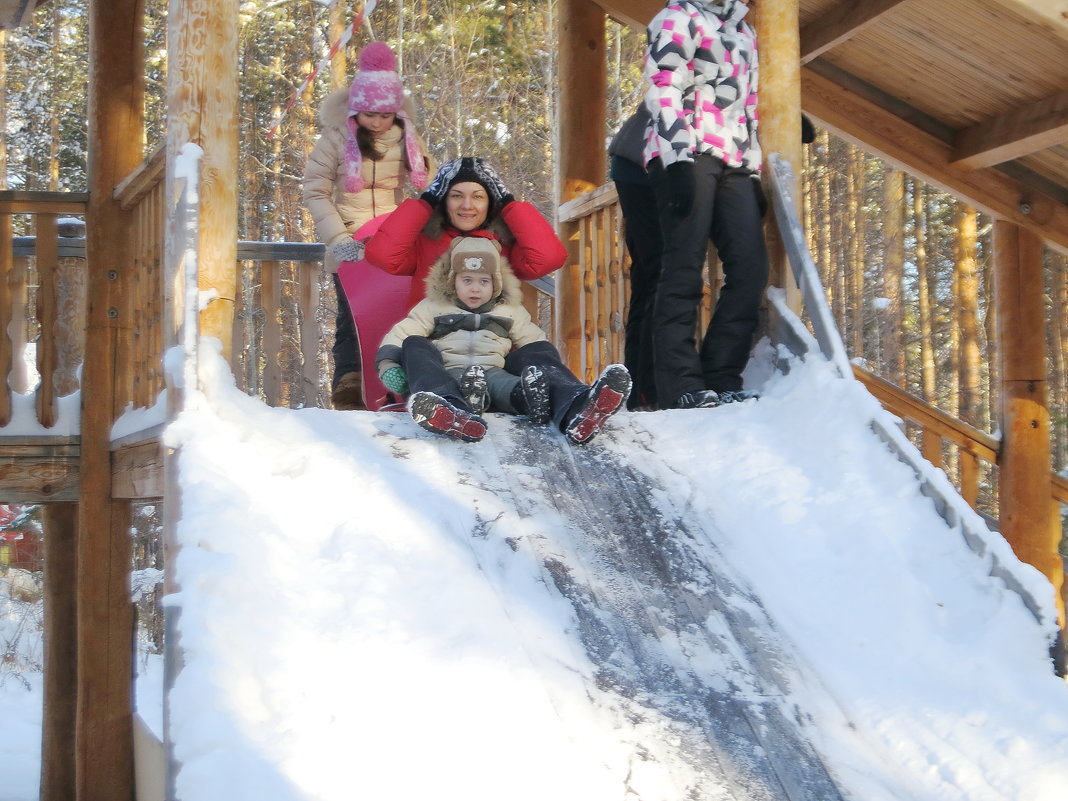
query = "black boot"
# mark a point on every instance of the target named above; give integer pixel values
(608, 393)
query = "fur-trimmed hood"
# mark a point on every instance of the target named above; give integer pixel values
(441, 285)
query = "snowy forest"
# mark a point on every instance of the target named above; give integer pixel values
(906, 268)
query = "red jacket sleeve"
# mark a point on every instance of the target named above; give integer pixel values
(396, 246)
(537, 250)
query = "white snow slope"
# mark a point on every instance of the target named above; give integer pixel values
(370, 611)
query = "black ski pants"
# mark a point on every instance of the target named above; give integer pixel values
(644, 243)
(725, 210)
(346, 350)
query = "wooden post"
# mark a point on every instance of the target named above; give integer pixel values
(583, 77)
(779, 43)
(202, 108)
(104, 735)
(60, 653)
(1027, 516)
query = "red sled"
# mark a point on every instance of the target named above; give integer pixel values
(378, 300)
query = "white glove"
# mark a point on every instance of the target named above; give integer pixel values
(347, 249)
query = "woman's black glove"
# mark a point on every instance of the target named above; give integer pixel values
(498, 192)
(679, 186)
(439, 187)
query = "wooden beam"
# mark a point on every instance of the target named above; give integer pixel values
(39, 469)
(104, 734)
(1026, 516)
(633, 13)
(1019, 133)
(137, 472)
(60, 652)
(842, 22)
(928, 157)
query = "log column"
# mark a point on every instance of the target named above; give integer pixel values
(103, 737)
(779, 43)
(1026, 511)
(203, 109)
(581, 109)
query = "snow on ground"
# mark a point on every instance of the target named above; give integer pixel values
(347, 637)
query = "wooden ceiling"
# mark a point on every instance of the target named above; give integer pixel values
(970, 95)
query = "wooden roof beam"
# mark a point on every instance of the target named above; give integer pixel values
(1021, 132)
(842, 22)
(633, 13)
(930, 158)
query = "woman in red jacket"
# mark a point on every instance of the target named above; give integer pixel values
(466, 198)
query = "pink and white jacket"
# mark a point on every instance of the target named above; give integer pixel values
(702, 68)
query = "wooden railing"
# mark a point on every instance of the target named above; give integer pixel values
(591, 333)
(42, 306)
(42, 300)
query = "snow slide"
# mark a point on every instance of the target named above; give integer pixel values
(746, 603)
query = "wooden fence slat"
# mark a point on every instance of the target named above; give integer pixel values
(47, 303)
(7, 267)
(309, 334)
(270, 298)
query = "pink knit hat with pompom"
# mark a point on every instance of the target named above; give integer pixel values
(377, 88)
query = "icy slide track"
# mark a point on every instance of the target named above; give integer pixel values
(368, 611)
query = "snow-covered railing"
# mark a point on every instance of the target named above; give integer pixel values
(42, 292)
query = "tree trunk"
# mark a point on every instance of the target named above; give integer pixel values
(855, 254)
(925, 292)
(893, 352)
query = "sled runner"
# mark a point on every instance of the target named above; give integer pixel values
(377, 300)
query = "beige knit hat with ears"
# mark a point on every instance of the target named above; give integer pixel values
(475, 254)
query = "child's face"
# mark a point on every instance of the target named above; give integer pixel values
(473, 289)
(377, 122)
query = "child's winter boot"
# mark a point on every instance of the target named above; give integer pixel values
(475, 389)
(608, 393)
(434, 413)
(534, 391)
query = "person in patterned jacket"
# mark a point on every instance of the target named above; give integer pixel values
(703, 160)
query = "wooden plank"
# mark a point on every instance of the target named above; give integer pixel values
(1012, 135)
(634, 13)
(137, 472)
(271, 297)
(26, 202)
(1049, 14)
(928, 157)
(149, 174)
(841, 23)
(58, 727)
(7, 267)
(47, 304)
(41, 479)
(910, 407)
(309, 336)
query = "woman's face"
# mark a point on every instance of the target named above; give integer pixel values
(377, 122)
(467, 205)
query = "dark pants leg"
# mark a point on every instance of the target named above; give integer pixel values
(564, 387)
(738, 233)
(426, 372)
(346, 350)
(638, 204)
(677, 367)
